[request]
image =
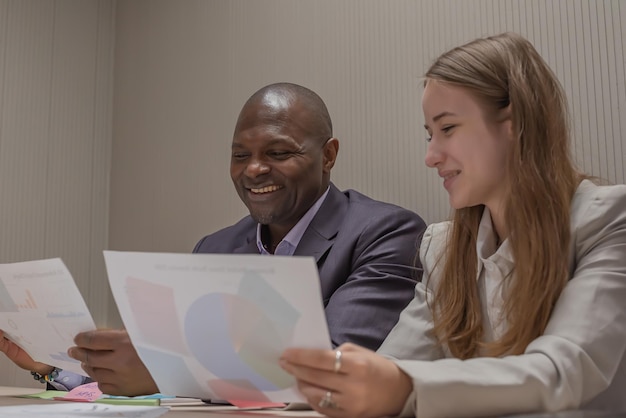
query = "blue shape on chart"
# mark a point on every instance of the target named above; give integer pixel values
(206, 323)
(170, 365)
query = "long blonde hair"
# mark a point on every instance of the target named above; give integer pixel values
(500, 71)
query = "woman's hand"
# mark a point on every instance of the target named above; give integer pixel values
(357, 382)
(21, 358)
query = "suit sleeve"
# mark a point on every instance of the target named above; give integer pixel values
(67, 381)
(384, 270)
(578, 359)
(411, 337)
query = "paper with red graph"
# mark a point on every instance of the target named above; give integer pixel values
(41, 310)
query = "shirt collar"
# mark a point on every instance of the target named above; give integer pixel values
(290, 242)
(486, 246)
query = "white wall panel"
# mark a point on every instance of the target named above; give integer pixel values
(364, 57)
(55, 137)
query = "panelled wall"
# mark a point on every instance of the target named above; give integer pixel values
(56, 88)
(184, 69)
(116, 116)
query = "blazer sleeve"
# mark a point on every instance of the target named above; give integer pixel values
(383, 271)
(579, 357)
(411, 337)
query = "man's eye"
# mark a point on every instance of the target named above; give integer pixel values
(238, 156)
(279, 154)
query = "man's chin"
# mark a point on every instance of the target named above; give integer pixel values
(263, 218)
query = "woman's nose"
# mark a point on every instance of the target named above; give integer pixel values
(434, 156)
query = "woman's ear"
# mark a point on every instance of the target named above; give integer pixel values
(506, 119)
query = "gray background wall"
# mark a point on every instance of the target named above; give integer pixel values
(56, 90)
(116, 116)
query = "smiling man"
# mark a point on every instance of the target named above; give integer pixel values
(283, 151)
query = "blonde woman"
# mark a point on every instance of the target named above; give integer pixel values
(522, 307)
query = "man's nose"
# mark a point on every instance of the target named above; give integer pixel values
(256, 168)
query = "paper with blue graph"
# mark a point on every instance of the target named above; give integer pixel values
(41, 310)
(214, 326)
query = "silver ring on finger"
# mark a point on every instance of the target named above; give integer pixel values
(327, 401)
(337, 365)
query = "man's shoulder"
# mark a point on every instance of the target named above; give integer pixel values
(361, 203)
(245, 224)
(362, 216)
(227, 239)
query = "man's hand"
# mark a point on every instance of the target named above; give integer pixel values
(109, 358)
(21, 358)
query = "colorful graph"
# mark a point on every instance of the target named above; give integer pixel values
(258, 329)
(29, 302)
(237, 337)
(9, 304)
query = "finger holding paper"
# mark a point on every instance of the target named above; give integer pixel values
(110, 359)
(21, 357)
(348, 381)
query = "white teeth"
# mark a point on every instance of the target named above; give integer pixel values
(266, 189)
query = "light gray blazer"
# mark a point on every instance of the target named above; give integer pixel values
(578, 362)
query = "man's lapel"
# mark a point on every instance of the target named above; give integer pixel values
(321, 232)
(250, 246)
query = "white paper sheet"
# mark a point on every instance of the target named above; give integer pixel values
(76, 409)
(214, 326)
(41, 310)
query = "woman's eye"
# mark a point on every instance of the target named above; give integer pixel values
(447, 128)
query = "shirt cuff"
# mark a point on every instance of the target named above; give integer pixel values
(410, 406)
(67, 381)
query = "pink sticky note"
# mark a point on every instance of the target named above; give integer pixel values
(88, 392)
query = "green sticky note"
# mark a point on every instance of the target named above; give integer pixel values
(47, 394)
(131, 401)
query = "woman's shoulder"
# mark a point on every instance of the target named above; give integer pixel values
(434, 244)
(597, 212)
(593, 202)
(436, 234)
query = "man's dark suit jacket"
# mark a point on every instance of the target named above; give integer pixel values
(366, 256)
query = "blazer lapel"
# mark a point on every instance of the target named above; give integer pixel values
(250, 246)
(321, 232)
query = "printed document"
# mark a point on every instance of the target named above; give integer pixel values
(41, 310)
(214, 326)
(76, 410)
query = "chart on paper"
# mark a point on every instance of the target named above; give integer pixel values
(41, 310)
(215, 326)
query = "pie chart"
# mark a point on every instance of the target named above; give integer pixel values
(249, 356)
